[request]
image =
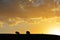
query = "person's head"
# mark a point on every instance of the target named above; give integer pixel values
(17, 32)
(27, 32)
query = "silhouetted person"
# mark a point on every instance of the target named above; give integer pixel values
(27, 32)
(28, 35)
(17, 32)
(18, 36)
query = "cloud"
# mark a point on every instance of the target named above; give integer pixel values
(26, 9)
(1, 23)
(57, 0)
(28, 13)
(8, 7)
(30, 24)
(38, 2)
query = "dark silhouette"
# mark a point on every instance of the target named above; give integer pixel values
(29, 36)
(17, 32)
(27, 32)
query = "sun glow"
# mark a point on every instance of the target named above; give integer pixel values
(54, 30)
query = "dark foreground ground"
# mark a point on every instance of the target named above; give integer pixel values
(29, 37)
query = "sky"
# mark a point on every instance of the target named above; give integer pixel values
(36, 16)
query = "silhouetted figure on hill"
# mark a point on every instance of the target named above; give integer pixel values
(28, 35)
(17, 32)
(27, 32)
(18, 36)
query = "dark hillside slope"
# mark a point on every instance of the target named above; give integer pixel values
(29, 37)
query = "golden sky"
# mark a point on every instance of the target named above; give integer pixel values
(36, 16)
